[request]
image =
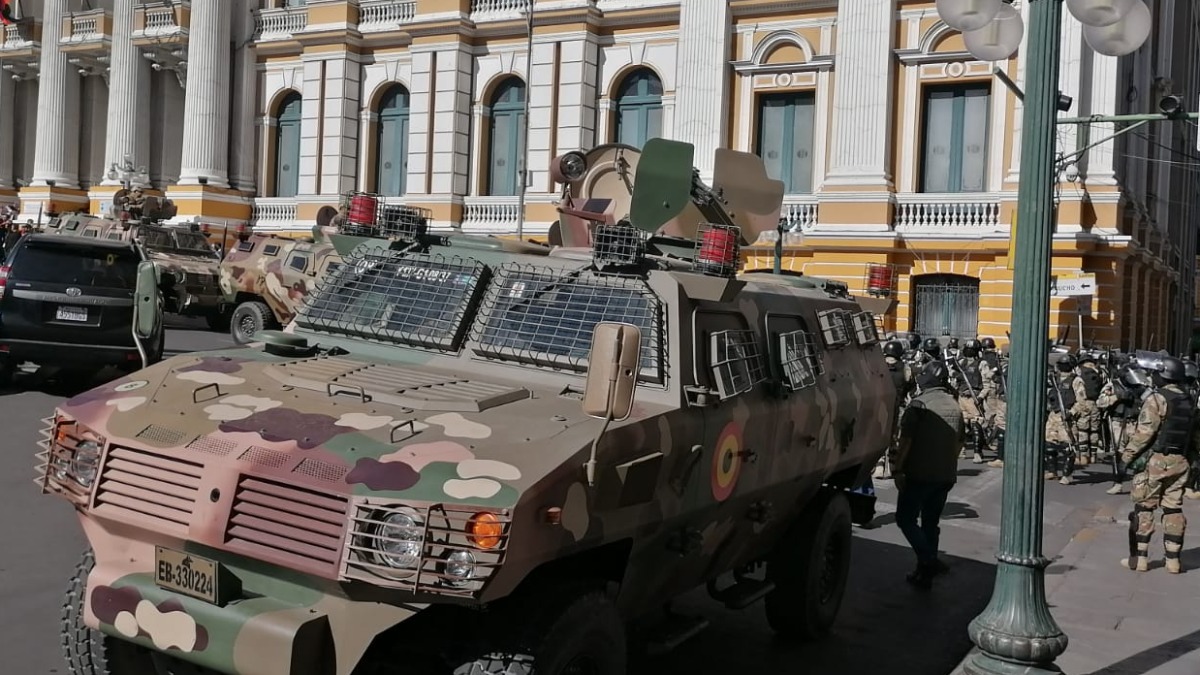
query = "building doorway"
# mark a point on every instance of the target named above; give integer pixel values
(946, 304)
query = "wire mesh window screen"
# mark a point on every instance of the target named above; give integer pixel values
(546, 317)
(799, 360)
(835, 327)
(737, 362)
(865, 331)
(946, 304)
(417, 300)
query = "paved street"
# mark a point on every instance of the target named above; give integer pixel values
(883, 620)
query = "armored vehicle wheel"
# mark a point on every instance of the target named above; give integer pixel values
(809, 569)
(89, 652)
(587, 637)
(249, 318)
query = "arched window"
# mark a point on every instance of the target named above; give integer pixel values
(639, 108)
(391, 143)
(287, 146)
(506, 138)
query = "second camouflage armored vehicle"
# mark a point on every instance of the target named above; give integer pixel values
(265, 278)
(181, 251)
(475, 455)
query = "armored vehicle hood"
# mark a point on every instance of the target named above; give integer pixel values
(341, 424)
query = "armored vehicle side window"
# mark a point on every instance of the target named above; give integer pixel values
(245, 246)
(793, 351)
(731, 351)
(420, 301)
(271, 249)
(156, 238)
(835, 327)
(866, 330)
(546, 317)
(298, 262)
(91, 233)
(115, 236)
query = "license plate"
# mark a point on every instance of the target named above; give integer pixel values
(187, 574)
(66, 313)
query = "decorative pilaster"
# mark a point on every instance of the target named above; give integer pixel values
(862, 131)
(56, 154)
(577, 95)
(129, 87)
(8, 139)
(542, 92)
(206, 103)
(420, 122)
(1099, 167)
(245, 91)
(451, 127)
(701, 112)
(342, 92)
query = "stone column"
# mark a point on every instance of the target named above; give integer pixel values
(862, 95)
(129, 88)
(420, 121)
(452, 125)
(342, 93)
(541, 89)
(56, 154)
(242, 148)
(8, 141)
(206, 102)
(701, 110)
(577, 95)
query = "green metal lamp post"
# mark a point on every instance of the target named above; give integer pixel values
(1016, 632)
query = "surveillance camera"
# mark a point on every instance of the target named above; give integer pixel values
(1071, 173)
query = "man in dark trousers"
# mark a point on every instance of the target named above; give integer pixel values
(926, 467)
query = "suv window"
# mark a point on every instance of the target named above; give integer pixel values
(77, 265)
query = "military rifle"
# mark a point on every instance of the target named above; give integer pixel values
(988, 428)
(1064, 414)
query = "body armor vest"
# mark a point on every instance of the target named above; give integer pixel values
(1092, 383)
(992, 359)
(1175, 431)
(1067, 393)
(897, 370)
(971, 375)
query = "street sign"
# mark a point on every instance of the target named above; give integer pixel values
(1071, 285)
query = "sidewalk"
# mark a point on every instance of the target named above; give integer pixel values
(1121, 622)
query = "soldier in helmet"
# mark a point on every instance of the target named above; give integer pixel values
(952, 348)
(926, 467)
(995, 407)
(1120, 401)
(1157, 452)
(1060, 432)
(902, 380)
(1088, 384)
(931, 350)
(968, 381)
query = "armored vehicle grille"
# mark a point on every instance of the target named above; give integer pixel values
(141, 486)
(287, 525)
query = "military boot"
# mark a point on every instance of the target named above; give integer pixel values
(1138, 564)
(1174, 566)
(1116, 489)
(1191, 494)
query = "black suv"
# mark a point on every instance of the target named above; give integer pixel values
(70, 302)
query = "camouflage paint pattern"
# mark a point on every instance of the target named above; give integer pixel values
(216, 454)
(260, 269)
(196, 290)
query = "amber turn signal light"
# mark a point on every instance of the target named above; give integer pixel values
(485, 530)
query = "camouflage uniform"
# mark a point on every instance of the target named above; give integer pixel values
(971, 374)
(1086, 416)
(1060, 458)
(1157, 449)
(1121, 411)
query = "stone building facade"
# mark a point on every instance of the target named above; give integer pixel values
(899, 150)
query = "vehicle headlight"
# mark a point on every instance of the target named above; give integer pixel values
(459, 568)
(85, 463)
(399, 539)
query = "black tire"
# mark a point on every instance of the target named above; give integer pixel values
(585, 636)
(8, 371)
(218, 321)
(249, 318)
(90, 652)
(810, 568)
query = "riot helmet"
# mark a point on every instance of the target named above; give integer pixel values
(971, 348)
(988, 343)
(894, 349)
(1134, 377)
(1087, 357)
(932, 347)
(1192, 370)
(914, 342)
(935, 374)
(952, 344)
(1173, 371)
(1066, 363)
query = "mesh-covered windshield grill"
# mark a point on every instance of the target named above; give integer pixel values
(419, 300)
(546, 317)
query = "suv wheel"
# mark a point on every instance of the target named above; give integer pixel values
(249, 318)
(90, 652)
(810, 567)
(584, 637)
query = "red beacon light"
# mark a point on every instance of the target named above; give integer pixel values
(718, 250)
(879, 280)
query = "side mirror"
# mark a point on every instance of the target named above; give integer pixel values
(612, 370)
(146, 300)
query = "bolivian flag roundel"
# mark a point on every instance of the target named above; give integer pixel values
(727, 461)
(6, 12)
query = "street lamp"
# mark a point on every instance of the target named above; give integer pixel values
(1016, 633)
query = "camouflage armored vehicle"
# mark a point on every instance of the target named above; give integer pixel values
(181, 251)
(265, 278)
(476, 455)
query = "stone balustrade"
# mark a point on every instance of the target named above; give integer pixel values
(947, 213)
(382, 15)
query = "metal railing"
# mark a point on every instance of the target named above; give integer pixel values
(947, 212)
(281, 23)
(490, 214)
(378, 15)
